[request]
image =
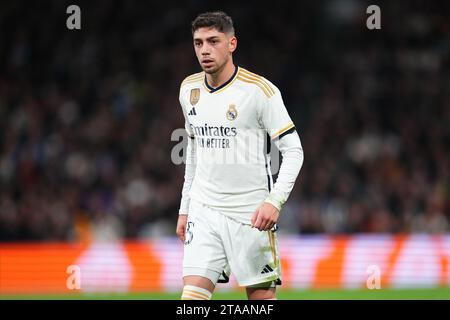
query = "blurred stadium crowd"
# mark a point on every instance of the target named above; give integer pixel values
(86, 116)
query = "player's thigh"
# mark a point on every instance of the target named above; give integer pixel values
(204, 254)
(252, 254)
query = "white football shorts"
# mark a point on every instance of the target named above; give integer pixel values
(216, 244)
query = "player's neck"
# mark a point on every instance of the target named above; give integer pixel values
(221, 76)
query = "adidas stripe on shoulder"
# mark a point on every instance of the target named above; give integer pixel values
(252, 78)
(196, 77)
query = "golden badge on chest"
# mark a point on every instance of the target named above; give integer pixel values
(195, 96)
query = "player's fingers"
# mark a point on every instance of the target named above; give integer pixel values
(266, 220)
(180, 233)
(273, 222)
(263, 224)
(267, 225)
(258, 222)
(270, 223)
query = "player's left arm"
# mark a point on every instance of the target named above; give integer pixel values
(277, 122)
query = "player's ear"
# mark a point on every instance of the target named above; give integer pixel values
(232, 44)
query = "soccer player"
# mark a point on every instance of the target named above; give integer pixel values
(229, 205)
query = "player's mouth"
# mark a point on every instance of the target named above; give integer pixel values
(207, 62)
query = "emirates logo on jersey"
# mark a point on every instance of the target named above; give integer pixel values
(232, 112)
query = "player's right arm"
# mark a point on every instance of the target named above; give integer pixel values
(185, 199)
(181, 227)
(188, 175)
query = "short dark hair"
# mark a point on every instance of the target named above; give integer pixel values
(216, 19)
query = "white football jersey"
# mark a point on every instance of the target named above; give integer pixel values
(232, 125)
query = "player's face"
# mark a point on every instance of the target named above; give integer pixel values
(213, 48)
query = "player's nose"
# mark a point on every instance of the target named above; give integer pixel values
(205, 50)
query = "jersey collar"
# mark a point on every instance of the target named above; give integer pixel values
(222, 86)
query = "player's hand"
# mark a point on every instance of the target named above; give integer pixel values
(265, 217)
(181, 226)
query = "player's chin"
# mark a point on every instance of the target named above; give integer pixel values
(209, 68)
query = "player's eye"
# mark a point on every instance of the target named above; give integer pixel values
(197, 44)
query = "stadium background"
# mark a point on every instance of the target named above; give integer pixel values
(86, 117)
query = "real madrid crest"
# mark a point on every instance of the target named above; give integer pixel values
(232, 112)
(195, 96)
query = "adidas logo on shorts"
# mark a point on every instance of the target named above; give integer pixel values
(267, 269)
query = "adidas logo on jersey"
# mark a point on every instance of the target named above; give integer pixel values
(267, 269)
(192, 112)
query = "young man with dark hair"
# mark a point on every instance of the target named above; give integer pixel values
(229, 209)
